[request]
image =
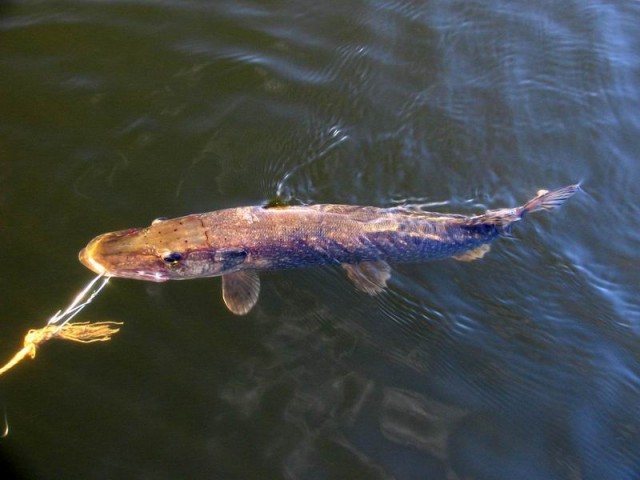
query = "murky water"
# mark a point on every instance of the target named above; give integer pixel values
(523, 365)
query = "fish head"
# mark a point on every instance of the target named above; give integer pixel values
(166, 250)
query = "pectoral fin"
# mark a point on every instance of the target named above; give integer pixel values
(240, 291)
(369, 277)
(474, 254)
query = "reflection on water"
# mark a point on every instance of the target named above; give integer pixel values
(524, 364)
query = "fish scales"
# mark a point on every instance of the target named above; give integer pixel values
(298, 237)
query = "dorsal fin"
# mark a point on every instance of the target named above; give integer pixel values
(369, 277)
(276, 202)
(240, 290)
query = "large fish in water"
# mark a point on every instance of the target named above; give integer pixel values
(237, 243)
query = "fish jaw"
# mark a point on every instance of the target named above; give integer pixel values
(122, 254)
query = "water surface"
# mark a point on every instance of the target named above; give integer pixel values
(522, 365)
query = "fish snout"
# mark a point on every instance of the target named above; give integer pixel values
(87, 257)
(124, 254)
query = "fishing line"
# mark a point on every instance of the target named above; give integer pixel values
(5, 430)
(63, 317)
(59, 325)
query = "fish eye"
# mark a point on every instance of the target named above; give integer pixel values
(172, 258)
(158, 220)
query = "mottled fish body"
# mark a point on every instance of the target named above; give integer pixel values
(237, 243)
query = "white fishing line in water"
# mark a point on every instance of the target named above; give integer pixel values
(62, 317)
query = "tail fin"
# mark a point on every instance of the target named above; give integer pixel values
(548, 200)
(505, 217)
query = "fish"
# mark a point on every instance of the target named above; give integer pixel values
(238, 243)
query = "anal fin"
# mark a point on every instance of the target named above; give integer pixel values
(474, 254)
(369, 277)
(240, 290)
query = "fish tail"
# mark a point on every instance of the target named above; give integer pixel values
(545, 200)
(549, 201)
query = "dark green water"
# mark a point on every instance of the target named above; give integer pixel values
(524, 365)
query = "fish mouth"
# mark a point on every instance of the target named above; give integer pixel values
(86, 257)
(116, 255)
